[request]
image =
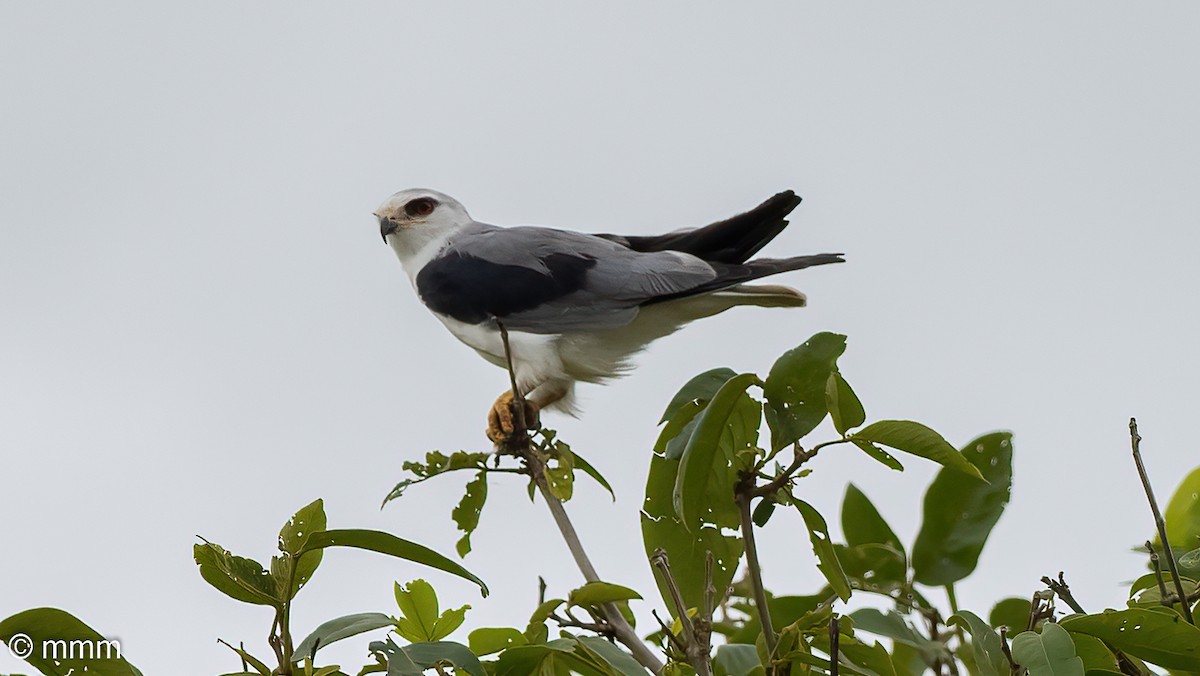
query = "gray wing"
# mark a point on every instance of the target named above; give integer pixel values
(543, 280)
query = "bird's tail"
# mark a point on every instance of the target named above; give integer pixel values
(733, 275)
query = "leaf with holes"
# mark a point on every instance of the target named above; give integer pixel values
(795, 388)
(703, 451)
(828, 564)
(237, 577)
(959, 513)
(466, 512)
(1159, 637)
(917, 439)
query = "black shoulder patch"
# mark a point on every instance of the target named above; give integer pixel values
(474, 290)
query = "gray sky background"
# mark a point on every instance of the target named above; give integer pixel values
(201, 330)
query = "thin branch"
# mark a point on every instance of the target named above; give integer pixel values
(537, 471)
(743, 497)
(833, 646)
(696, 642)
(1063, 590)
(1012, 664)
(1164, 597)
(801, 456)
(666, 629)
(1135, 441)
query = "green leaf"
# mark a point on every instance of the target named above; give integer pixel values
(844, 407)
(1095, 655)
(959, 514)
(308, 520)
(985, 644)
(235, 576)
(60, 644)
(702, 450)
(892, 625)
(686, 549)
(1050, 653)
(419, 609)
(414, 659)
(560, 471)
(734, 659)
(1183, 514)
(449, 620)
(466, 513)
(828, 564)
(536, 631)
(863, 524)
(917, 439)
(421, 620)
(595, 474)
(763, 511)
(546, 659)
(609, 655)
(795, 388)
(260, 667)
(598, 593)
(699, 389)
(1159, 637)
(488, 640)
(785, 610)
(678, 430)
(1012, 613)
(873, 567)
(385, 543)
(856, 656)
(877, 453)
(337, 629)
(436, 464)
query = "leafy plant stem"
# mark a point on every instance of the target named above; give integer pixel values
(744, 495)
(537, 471)
(801, 457)
(1063, 590)
(1135, 441)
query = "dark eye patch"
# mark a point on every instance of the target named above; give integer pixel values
(422, 206)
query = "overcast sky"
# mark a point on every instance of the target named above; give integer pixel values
(201, 330)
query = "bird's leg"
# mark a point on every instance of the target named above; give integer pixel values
(503, 423)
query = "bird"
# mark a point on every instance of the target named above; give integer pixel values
(576, 307)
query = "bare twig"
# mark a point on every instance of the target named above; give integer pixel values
(537, 471)
(666, 629)
(1135, 441)
(1012, 664)
(1063, 590)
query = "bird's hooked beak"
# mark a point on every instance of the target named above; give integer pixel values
(386, 226)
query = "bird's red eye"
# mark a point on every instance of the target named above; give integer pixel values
(422, 206)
